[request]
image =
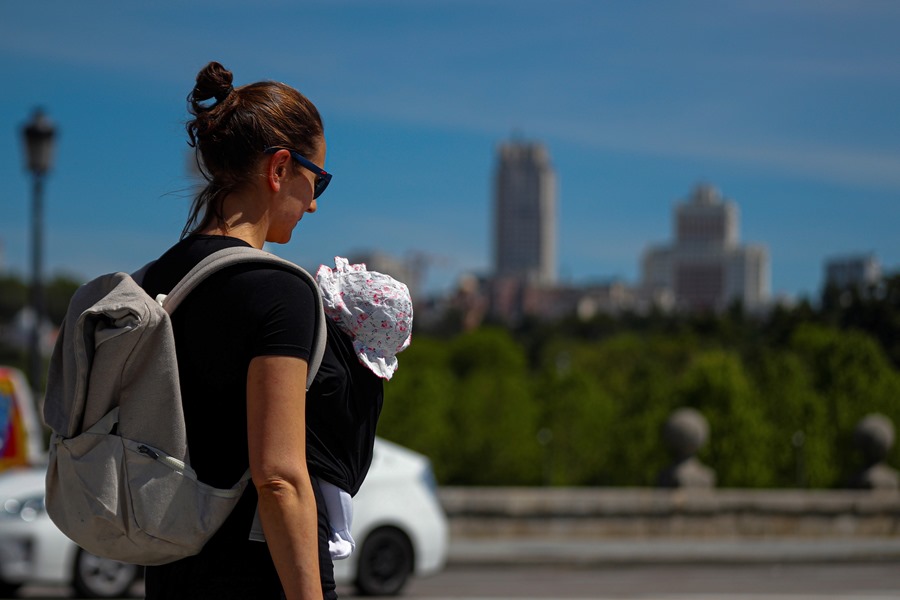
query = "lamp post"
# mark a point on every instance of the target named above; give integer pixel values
(38, 135)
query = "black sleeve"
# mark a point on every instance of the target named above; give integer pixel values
(285, 313)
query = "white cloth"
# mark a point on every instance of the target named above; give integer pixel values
(374, 309)
(339, 507)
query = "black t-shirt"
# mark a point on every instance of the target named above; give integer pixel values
(256, 310)
(233, 316)
(342, 409)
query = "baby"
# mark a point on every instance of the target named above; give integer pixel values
(375, 311)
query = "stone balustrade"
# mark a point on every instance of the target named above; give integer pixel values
(654, 512)
(686, 504)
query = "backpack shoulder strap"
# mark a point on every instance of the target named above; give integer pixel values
(232, 256)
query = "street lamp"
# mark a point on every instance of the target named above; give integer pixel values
(38, 134)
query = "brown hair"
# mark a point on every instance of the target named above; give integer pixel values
(230, 134)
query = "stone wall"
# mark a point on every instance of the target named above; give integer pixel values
(574, 513)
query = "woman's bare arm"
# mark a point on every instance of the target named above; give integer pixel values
(276, 430)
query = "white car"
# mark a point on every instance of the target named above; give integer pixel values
(398, 524)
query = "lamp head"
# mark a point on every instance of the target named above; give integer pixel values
(39, 135)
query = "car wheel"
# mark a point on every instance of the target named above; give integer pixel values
(96, 577)
(385, 563)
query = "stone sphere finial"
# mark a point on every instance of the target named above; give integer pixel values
(874, 436)
(685, 432)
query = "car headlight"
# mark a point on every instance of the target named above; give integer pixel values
(27, 509)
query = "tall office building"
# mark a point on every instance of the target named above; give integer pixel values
(706, 267)
(858, 271)
(525, 214)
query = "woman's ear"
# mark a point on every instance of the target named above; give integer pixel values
(277, 168)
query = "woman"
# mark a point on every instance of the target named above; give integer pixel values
(243, 340)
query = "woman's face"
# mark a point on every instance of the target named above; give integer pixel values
(294, 199)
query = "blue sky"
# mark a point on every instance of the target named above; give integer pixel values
(790, 108)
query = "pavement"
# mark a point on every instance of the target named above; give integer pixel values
(587, 552)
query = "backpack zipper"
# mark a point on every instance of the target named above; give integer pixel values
(169, 460)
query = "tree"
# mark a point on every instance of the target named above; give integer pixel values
(58, 293)
(740, 447)
(804, 450)
(638, 374)
(853, 377)
(13, 296)
(493, 419)
(417, 401)
(577, 418)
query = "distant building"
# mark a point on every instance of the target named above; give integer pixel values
(401, 270)
(706, 267)
(858, 271)
(525, 214)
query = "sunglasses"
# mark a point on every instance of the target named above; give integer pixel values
(323, 177)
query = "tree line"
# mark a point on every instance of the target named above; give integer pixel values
(14, 292)
(574, 402)
(583, 402)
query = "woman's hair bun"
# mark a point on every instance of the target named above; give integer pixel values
(230, 128)
(213, 81)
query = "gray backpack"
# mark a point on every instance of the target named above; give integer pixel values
(119, 482)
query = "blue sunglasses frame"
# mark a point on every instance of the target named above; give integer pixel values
(323, 177)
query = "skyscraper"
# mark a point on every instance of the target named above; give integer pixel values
(525, 214)
(706, 267)
(859, 271)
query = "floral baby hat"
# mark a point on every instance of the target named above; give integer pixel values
(374, 309)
